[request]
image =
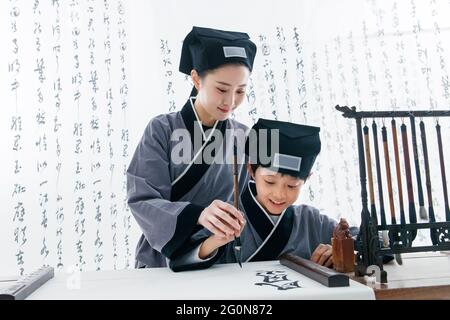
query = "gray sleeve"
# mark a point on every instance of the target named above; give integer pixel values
(165, 224)
(327, 226)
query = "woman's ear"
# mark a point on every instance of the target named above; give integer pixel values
(196, 79)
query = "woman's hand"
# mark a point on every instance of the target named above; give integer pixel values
(216, 241)
(323, 255)
(222, 219)
(221, 240)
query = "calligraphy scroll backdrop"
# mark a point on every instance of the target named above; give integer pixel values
(84, 77)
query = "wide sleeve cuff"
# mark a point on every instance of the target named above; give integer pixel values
(192, 256)
(186, 226)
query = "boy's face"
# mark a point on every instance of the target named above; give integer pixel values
(276, 191)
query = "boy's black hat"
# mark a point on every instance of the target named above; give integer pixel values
(284, 147)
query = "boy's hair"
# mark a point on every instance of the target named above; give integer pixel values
(256, 166)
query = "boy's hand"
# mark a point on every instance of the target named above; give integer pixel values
(216, 241)
(323, 255)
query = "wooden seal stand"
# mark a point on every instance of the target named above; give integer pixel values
(343, 248)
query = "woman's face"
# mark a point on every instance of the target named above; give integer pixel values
(276, 192)
(220, 92)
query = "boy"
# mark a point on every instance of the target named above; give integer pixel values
(274, 225)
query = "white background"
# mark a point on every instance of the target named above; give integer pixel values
(329, 77)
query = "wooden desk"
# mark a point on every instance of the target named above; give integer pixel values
(421, 276)
(255, 281)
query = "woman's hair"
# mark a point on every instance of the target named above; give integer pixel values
(204, 73)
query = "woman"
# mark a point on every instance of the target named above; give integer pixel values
(173, 192)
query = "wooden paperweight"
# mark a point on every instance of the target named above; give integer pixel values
(327, 277)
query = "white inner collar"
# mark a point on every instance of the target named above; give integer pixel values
(200, 122)
(269, 216)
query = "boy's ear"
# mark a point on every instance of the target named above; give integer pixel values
(250, 171)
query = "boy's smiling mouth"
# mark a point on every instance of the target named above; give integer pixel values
(277, 203)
